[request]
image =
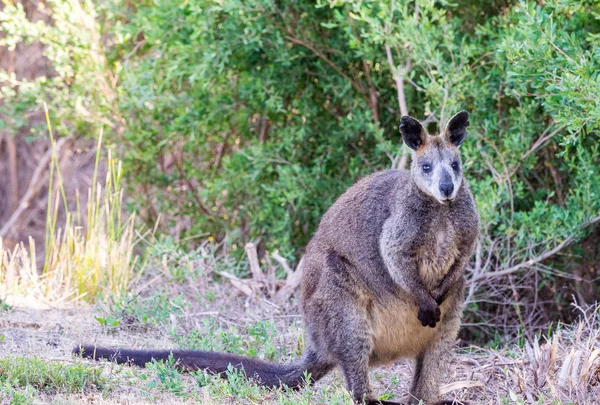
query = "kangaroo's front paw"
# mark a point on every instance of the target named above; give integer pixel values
(429, 315)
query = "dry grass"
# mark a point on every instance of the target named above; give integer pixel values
(562, 369)
(79, 262)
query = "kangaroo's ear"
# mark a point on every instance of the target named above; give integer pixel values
(413, 133)
(456, 130)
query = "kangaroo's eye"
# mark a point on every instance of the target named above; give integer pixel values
(455, 165)
(426, 168)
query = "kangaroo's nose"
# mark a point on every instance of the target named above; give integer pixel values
(447, 189)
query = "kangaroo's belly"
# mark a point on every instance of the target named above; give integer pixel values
(397, 333)
(396, 330)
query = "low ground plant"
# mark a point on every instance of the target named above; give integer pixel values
(51, 377)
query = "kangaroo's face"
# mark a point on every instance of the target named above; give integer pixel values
(436, 168)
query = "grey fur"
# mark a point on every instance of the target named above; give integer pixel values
(383, 277)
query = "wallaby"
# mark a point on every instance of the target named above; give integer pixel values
(383, 277)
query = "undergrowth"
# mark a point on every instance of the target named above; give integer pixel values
(91, 253)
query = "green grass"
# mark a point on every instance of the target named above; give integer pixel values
(255, 339)
(134, 312)
(4, 306)
(23, 380)
(16, 396)
(167, 376)
(50, 377)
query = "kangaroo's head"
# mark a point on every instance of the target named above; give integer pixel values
(436, 168)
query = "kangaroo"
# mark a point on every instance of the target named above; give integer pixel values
(383, 278)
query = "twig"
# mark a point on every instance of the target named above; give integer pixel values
(257, 273)
(282, 262)
(399, 79)
(34, 186)
(327, 60)
(12, 168)
(372, 93)
(537, 144)
(541, 141)
(401, 99)
(264, 128)
(558, 186)
(193, 188)
(221, 151)
(292, 281)
(537, 259)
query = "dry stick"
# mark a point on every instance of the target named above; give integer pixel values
(12, 163)
(282, 262)
(541, 140)
(476, 271)
(358, 87)
(191, 186)
(400, 88)
(3, 204)
(257, 273)
(538, 259)
(293, 278)
(264, 128)
(34, 187)
(220, 151)
(556, 178)
(372, 93)
(401, 98)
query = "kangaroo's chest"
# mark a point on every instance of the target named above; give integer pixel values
(437, 252)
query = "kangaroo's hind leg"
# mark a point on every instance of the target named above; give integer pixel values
(339, 326)
(432, 362)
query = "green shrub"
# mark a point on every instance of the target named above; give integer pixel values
(196, 84)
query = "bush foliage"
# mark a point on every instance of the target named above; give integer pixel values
(244, 120)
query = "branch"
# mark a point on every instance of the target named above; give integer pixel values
(192, 187)
(538, 259)
(537, 144)
(221, 151)
(14, 181)
(327, 60)
(401, 98)
(35, 185)
(292, 281)
(282, 262)
(252, 254)
(399, 79)
(372, 92)
(264, 128)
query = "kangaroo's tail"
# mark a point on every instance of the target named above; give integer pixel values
(264, 373)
